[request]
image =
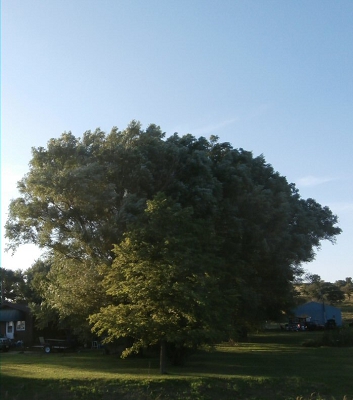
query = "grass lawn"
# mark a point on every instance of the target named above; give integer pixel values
(271, 366)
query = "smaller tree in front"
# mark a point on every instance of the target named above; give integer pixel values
(162, 283)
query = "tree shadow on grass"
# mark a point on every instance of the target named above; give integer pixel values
(250, 368)
(16, 388)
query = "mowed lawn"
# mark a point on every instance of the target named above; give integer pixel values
(270, 366)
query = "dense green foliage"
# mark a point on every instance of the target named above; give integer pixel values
(166, 281)
(317, 289)
(178, 239)
(23, 286)
(12, 286)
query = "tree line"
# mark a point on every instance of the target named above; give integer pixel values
(315, 288)
(26, 286)
(178, 240)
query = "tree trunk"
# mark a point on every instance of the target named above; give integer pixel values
(163, 358)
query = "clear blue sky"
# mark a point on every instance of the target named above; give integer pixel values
(270, 76)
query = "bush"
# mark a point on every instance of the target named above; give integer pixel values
(340, 337)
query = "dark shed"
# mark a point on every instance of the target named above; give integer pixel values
(16, 322)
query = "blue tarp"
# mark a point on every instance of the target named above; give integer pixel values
(319, 312)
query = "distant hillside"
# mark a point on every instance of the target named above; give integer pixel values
(347, 310)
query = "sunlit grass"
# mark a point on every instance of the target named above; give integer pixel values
(271, 366)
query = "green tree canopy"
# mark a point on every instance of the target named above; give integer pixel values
(103, 205)
(318, 289)
(13, 286)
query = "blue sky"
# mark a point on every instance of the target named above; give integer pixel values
(271, 76)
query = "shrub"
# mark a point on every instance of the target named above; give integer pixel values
(340, 337)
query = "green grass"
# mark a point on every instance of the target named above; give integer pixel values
(271, 366)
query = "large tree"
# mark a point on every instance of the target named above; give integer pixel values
(88, 202)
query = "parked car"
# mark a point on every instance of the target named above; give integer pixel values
(330, 324)
(4, 344)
